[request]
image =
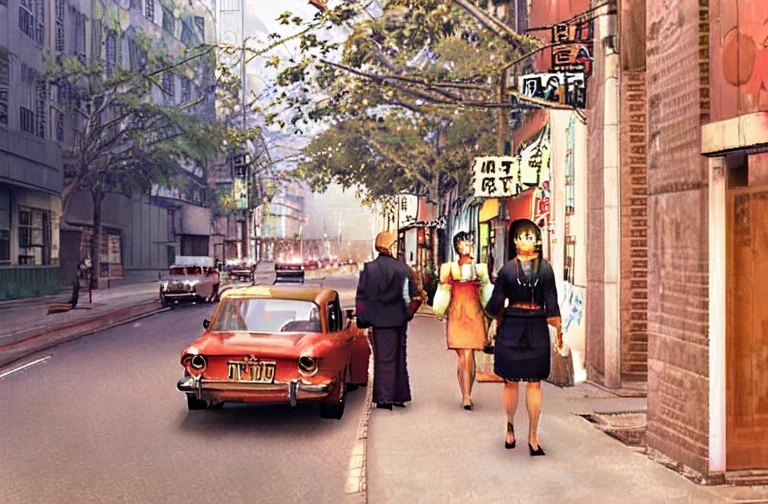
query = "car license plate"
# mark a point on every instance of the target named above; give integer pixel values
(252, 371)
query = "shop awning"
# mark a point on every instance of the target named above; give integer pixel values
(521, 207)
(489, 210)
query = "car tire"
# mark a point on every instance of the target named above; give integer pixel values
(335, 410)
(194, 404)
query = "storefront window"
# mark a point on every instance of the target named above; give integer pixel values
(5, 226)
(34, 236)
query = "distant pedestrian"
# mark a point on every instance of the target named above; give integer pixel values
(523, 349)
(385, 299)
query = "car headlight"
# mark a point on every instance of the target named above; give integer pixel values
(307, 365)
(197, 362)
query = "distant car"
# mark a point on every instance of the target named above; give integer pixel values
(289, 273)
(240, 272)
(190, 279)
(312, 264)
(277, 344)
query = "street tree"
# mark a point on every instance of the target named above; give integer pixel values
(409, 96)
(130, 139)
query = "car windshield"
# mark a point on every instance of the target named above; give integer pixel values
(186, 270)
(267, 315)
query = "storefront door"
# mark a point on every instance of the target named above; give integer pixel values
(747, 329)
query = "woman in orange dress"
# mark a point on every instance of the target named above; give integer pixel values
(464, 289)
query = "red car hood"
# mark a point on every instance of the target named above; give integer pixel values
(275, 345)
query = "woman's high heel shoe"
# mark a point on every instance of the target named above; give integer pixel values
(507, 445)
(535, 453)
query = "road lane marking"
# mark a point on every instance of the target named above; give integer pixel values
(19, 368)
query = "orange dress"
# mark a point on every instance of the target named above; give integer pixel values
(466, 320)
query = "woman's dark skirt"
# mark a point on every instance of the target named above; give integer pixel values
(522, 350)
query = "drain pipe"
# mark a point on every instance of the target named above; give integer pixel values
(611, 198)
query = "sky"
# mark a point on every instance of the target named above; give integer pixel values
(261, 20)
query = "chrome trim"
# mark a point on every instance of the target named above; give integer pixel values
(295, 390)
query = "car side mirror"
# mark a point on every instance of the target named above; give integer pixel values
(206, 323)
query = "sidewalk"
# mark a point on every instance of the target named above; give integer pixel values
(433, 451)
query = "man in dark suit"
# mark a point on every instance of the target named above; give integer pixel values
(384, 292)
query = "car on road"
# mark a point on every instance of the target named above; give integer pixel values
(272, 344)
(190, 279)
(240, 270)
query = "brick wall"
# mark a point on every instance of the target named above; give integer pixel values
(678, 101)
(595, 318)
(634, 228)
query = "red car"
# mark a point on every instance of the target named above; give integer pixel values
(277, 344)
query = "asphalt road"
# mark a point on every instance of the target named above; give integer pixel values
(101, 421)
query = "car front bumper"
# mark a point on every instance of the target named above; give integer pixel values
(293, 391)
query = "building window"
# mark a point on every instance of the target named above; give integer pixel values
(186, 90)
(34, 239)
(168, 86)
(137, 56)
(5, 226)
(570, 171)
(95, 40)
(59, 35)
(111, 53)
(5, 77)
(57, 124)
(27, 120)
(80, 38)
(169, 22)
(570, 257)
(41, 100)
(26, 20)
(200, 25)
(149, 9)
(186, 35)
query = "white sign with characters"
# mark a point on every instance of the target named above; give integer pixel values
(496, 177)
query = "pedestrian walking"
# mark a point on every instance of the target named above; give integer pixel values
(524, 302)
(464, 289)
(385, 301)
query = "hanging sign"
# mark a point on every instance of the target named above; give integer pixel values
(496, 177)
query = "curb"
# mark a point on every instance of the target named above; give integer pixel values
(356, 489)
(49, 339)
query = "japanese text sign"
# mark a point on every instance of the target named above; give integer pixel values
(496, 177)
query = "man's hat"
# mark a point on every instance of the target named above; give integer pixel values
(385, 240)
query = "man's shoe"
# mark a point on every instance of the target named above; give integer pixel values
(384, 406)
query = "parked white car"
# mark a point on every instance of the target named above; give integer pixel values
(190, 279)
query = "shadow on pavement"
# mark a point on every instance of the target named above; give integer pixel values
(237, 418)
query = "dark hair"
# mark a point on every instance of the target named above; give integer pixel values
(460, 237)
(519, 227)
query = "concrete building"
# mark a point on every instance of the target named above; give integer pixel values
(31, 174)
(148, 232)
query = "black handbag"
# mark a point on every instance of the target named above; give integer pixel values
(489, 348)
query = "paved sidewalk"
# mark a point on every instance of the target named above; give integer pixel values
(436, 452)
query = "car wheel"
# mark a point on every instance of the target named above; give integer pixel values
(335, 410)
(193, 403)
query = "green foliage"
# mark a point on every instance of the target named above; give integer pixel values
(395, 154)
(129, 141)
(405, 101)
(222, 202)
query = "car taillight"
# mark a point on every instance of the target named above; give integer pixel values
(197, 362)
(307, 365)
